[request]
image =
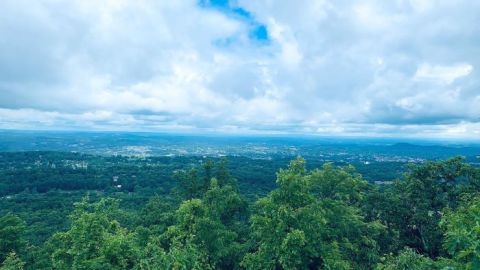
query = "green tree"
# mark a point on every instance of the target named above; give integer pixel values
(95, 240)
(222, 174)
(12, 231)
(341, 184)
(12, 262)
(183, 250)
(304, 224)
(211, 227)
(462, 233)
(408, 259)
(342, 190)
(227, 212)
(413, 206)
(157, 215)
(194, 183)
(179, 256)
(381, 205)
(225, 204)
(189, 184)
(208, 167)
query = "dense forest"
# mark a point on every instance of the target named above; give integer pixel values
(73, 211)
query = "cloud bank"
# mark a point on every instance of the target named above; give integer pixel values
(402, 68)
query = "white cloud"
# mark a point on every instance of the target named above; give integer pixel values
(442, 74)
(328, 66)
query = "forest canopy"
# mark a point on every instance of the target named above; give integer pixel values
(328, 217)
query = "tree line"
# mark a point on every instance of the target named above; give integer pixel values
(324, 218)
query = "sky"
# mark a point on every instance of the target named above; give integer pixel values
(407, 68)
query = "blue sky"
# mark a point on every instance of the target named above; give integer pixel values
(405, 68)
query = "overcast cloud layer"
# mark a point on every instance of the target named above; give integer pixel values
(400, 67)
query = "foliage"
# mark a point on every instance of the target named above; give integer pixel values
(408, 259)
(12, 230)
(462, 237)
(210, 226)
(94, 240)
(323, 216)
(12, 262)
(413, 206)
(310, 221)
